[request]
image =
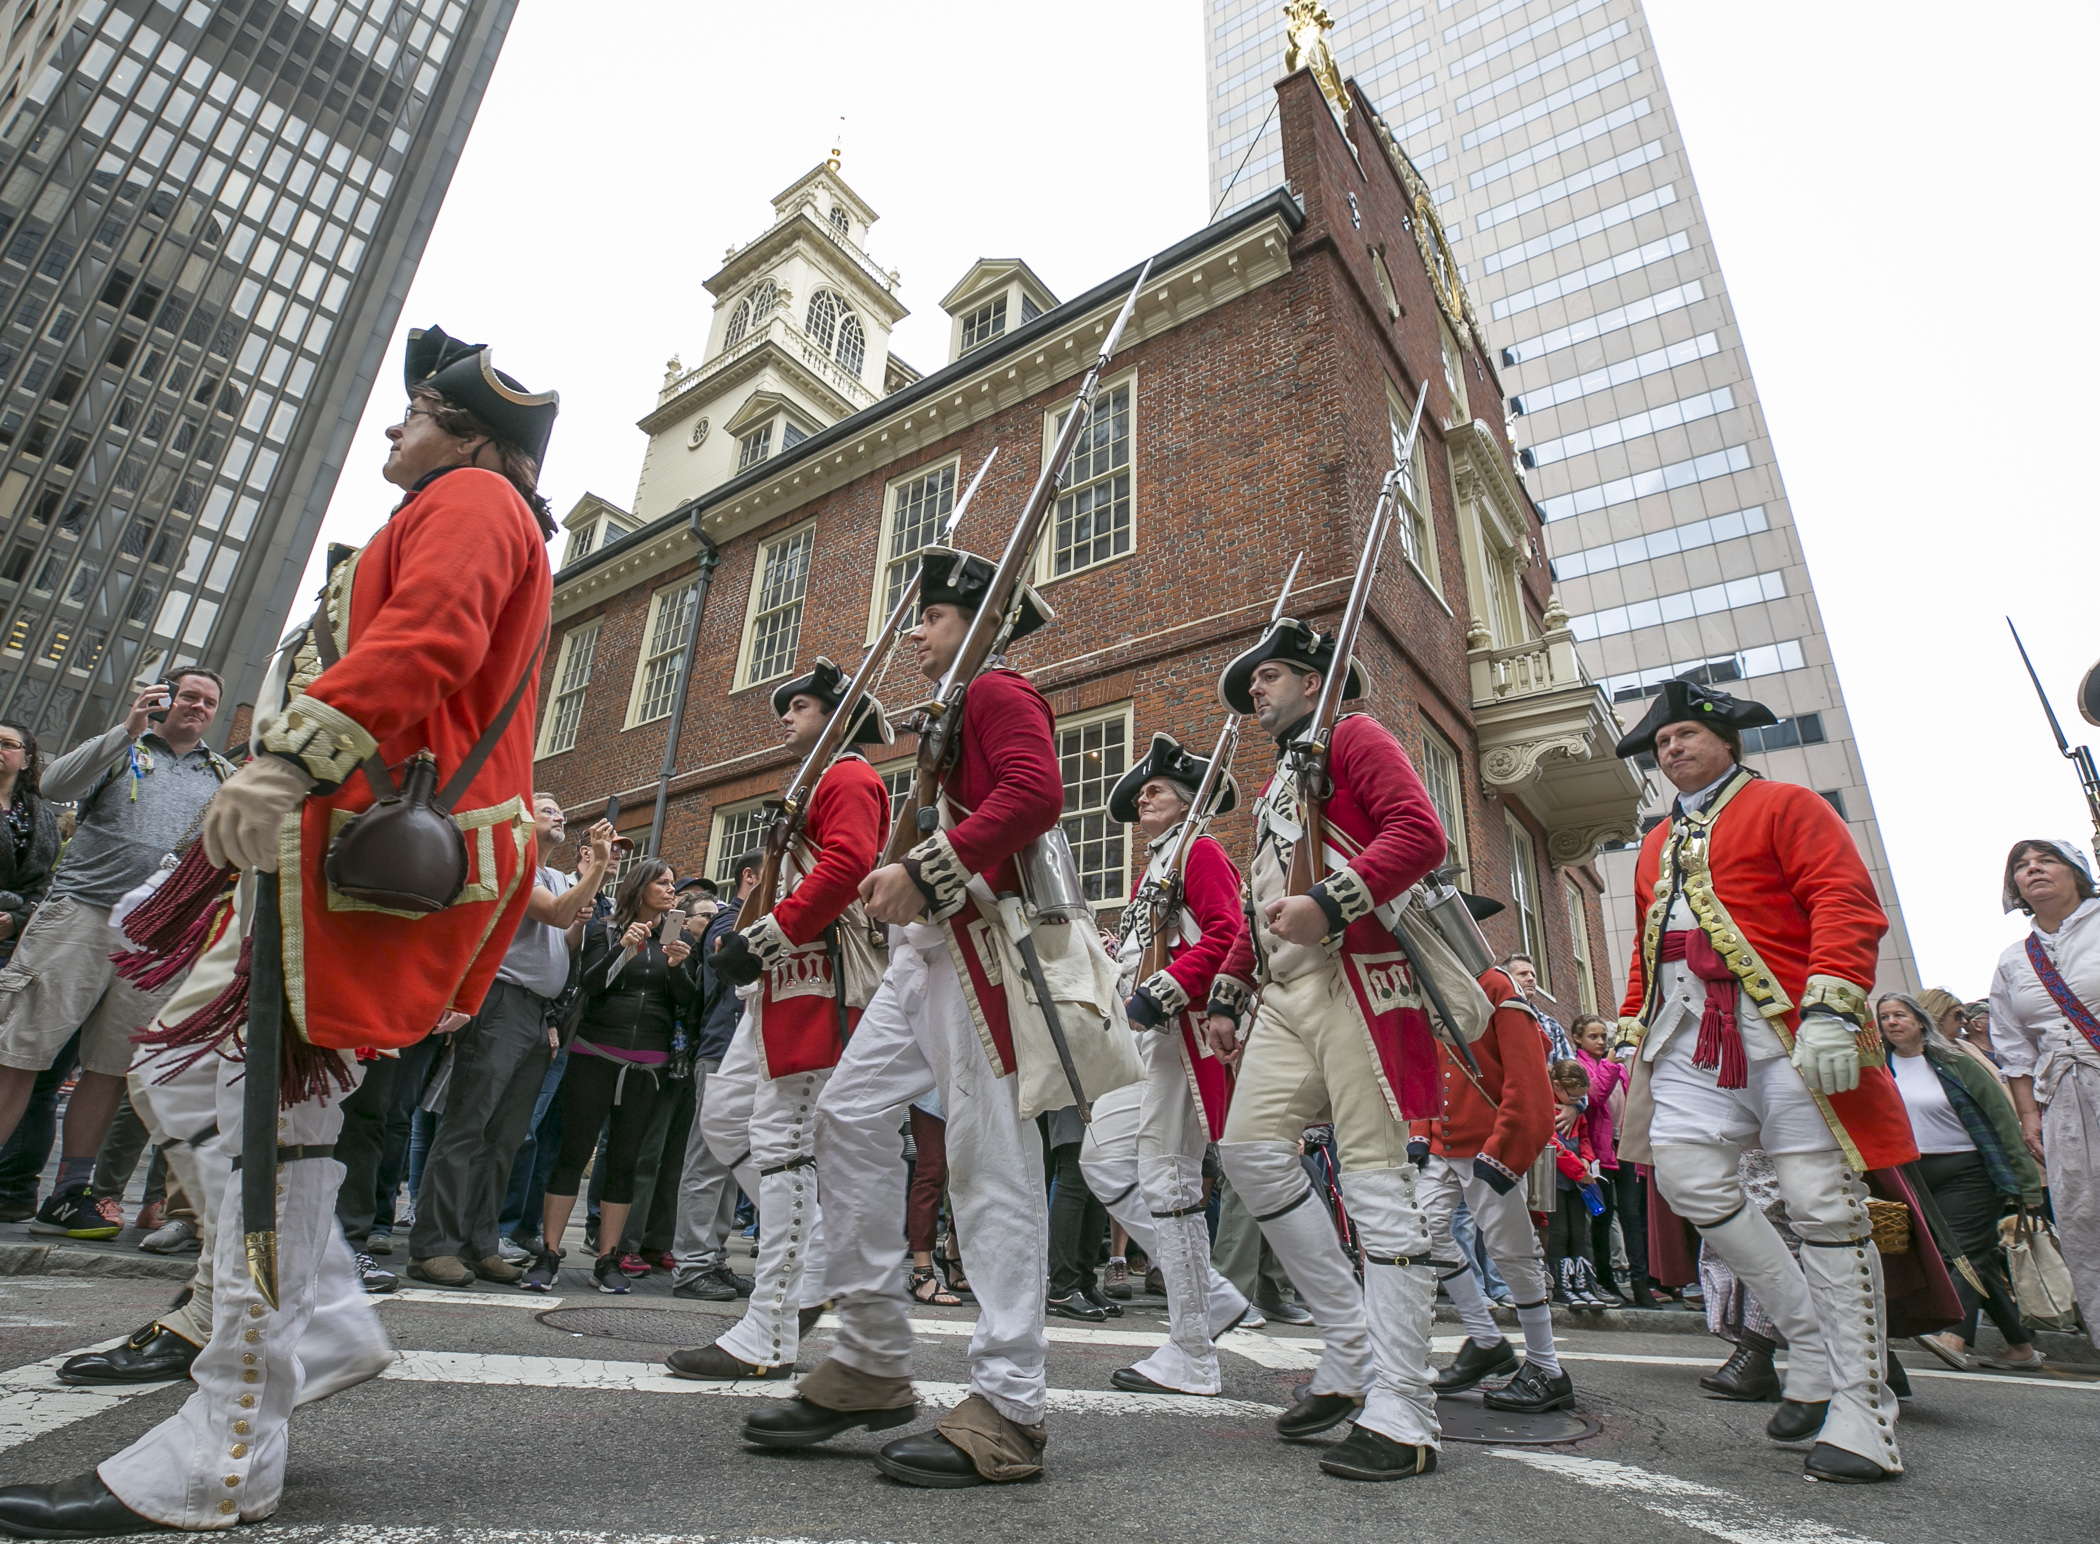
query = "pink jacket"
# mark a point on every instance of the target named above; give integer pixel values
(1605, 1075)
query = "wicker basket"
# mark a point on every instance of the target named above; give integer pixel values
(1891, 1220)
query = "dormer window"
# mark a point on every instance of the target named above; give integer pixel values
(984, 324)
(839, 219)
(754, 447)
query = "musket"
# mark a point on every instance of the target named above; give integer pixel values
(937, 719)
(2080, 757)
(1309, 754)
(1169, 899)
(790, 812)
(259, 1088)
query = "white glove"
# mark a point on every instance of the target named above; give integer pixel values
(240, 825)
(1826, 1054)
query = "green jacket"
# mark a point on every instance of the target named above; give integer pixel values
(1986, 1112)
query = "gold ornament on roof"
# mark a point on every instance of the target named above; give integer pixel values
(1306, 25)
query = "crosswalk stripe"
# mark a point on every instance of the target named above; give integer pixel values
(1706, 1509)
(537, 1302)
(33, 1401)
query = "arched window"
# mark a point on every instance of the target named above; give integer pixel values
(853, 345)
(762, 301)
(822, 320)
(739, 324)
(838, 218)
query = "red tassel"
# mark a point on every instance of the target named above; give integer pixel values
(309, 1071)
(172, 926)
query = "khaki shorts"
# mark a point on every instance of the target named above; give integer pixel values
(60, 980)
(1308, 1061)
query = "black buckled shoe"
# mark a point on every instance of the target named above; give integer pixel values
(1473, 1364)
(712, 1363)
(1841, 1467)
(1797, 1420)
(1315, 1413)
(929, 1460)
(1077, 1307)
(1533, 1391)
(1747, 1375)
(154, 1354)
(1372, 1455)
(79, 1508)
(804, 1423)
(1131, 1381)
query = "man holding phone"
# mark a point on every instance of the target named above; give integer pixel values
(498, 1063)
(140, 788)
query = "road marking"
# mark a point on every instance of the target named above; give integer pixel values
(537, 1302)
(1717, 1513)
(1915, 1372)
(366, 1533)
(572, 1372)
(33, 1402)
(1285, 1353)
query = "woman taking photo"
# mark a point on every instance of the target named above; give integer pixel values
(30, 846)
(634, 988)
(2045, 1026)
(1624, 1195)
(1971, 1159)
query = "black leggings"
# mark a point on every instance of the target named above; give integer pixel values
(1568, 1233)
(1626, 1198)
(1971, 1204)
(586, 1097)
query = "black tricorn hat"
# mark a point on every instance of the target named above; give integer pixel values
(1167, 759)
(465, 375)
(1296, 644)
(1687, 702)
(2089, 696)
(957, 578)
(827, 683)
(1482, 906)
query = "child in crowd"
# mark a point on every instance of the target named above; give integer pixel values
(1569, 1257)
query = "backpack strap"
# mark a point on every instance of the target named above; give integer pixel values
(323, 635)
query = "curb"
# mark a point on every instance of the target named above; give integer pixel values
(59, 1260)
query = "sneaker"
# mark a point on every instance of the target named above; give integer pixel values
(608, 1275)
(1115, 1280)
(710, 1286)
(377, 1281)
(405, 1213)
(1252, 1319)
(151, 1216)
(381, 1242)
(667, 1261)
(1286, 1312)
(543, 1273)
(1155, 1281)
(172, 1237)
(75, 1215)
(633, 1265)
(513, 1253)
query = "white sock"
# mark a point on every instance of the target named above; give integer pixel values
(1538, 1338)
(1472, 1306)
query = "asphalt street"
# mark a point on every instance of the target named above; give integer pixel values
(496, 1425)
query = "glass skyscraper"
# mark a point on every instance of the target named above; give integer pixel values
(1545, 131)
(209, 216)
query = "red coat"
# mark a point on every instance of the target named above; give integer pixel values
(798, 1013)
(1210, 890)
(1514, 1129)
(1798, 922)
(1004, 789)
(447, 609)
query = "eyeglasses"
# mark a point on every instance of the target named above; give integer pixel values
(417, 412)
(13, 745)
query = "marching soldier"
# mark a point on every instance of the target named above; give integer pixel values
(1747, 996)
(944, 1017)
(1186, 1087)
(429, 640)
(806, 970)
(1339, 1034)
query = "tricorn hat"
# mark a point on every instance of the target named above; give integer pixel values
(1482, 907)
(1167, 759)
(827, 683)
(1687, 702)
(465, 375)
(1293, 643)
(956, 578)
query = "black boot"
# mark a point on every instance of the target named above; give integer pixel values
(79, 1508)
(1747, 1375)
(1638, 1291)
(1371, 1455)
(1841, 1467)
(1563, 1285)
(1899, 1380)
(929, 1460)
(154, 1354)
(1797, 1421)
(1315, 1413)
(804, 1423)
(1474, 1364)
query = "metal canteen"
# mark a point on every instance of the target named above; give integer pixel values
(402, 853)
(1051, 890)
(1446, 910)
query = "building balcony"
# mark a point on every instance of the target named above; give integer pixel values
(1546, 734)
(787, 343)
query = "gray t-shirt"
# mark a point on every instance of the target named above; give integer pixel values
(148, 801)
(538, 958)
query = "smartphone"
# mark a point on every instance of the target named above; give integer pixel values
(672, 925)
(621, 845)
(167, 687)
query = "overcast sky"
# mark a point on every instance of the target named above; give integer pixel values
(1895, 194)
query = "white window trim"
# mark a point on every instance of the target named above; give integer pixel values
(590, 630)
(1520, 840)
(889, 769)
(1434, 739)
(657, 597)
(1431, 572)
(884, 550)
(742, 677)
(717, 827)
(1579, 944)
(1043, 552)
(1125, 713)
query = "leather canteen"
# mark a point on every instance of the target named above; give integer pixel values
(403, 853)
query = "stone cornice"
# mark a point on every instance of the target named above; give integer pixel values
(1475, 441)
(763, 352)
(869, 285)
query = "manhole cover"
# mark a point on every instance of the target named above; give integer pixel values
(645, 1326)
(1467, 1420)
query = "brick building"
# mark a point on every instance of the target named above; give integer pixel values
(1252, 411)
